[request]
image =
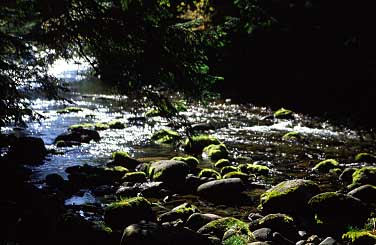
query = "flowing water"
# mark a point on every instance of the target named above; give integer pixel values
(244, 128)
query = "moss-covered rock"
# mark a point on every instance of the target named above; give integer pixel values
(228, 169)
(63, 143)
(210, 173)
(166, 136)
(153, 113)
(360, 237)
(346, 175)
(182, 212)
(281, 223)
(135, 177)
(82, 125)
(190, 160)
(216, 152)
(219, 227)
(198, 220)
(236, 174)
(171, 172)
(69, 110)
(363, 176)
(283, 114)
(288, 197)
(197, 143)
(366, 193)
(222, 163)
(335, 211)
(79, 134)
(326, 165)
(119, 215)
(365, 157)
(101, 126)
(116, 124)
(292, 136)
(254, 169)
(122, 158)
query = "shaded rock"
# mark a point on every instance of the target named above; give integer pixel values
(55, 181)
(216, 151)
(197, 143)
(182, 212)
(134, 177)
(219, 227)
(363, 176)
(335, 212)
(278, 238)
(147, 189)
(101, 126)
(228, 169)
(126, 212)
(171, 172)
(198, 220)
(27, 150)
(221, 189)
(203, 126)
(122, 158)
(346, 175)
(210, 173)
(365, 157)
(79, 134)
(325, 166)
(222, 163)
(263, 234)
(143, 233)
(288, 197)
(69, 110)
(366, 193)
(190, 160)
(62, 143)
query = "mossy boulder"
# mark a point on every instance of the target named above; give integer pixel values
(135, 177)
(336, 211)
(209, 173)
(236, 174)
(360, 237)
(166, 136)
(346, 175)
(283, 113)
(197, 143)
(198, 220)
(254, 169)
(366, 193)
(119, 215)
(278, 222)
(219, 227)
(116, 124)
(228, 169)
(79, 134)
(122, 158)
(325, 166)
(221, 190)
(363, 176)
(222, 163)
(365, 157)
(69, 110)
(216, 152)
(171, 172)
(190, 160)
(292, 136)
(182, 212)
(288, 197)
(101, 126)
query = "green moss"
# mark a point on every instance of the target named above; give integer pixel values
(222, 163)
(69, 110)
(292, 136)
(216, 151)
(283, 113)
(235, 240)
(120, 156)
(130, 202)
(363, 176)
(254, 169)
(326, 165)
(198, 142)
(153, 113)
(360, 237)
(365, 157)
(134, 177)
(228, 169)
(208, 172)
(281, 219)
(101, 126)
(190, 160)
(236, 174)
(166, 136)
(116, 124)
(186, 208)
(335, 171)
(83, 125)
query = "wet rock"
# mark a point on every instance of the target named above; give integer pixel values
(325, 166)
(27, 150)
(292, 136)
(328, 241)
(55, 181)
(223, 189)
(79, 134)
(134, 177)
(222, 163)
(283, 113)
(228, 169)
(363, 176)
(69, 109)
(254, 169)
(197, 143)
(366, 193)
(263, 234)
(288, 197)
(170, 172)
(182, 212)
(166, 136)
(101, 126)
(146, 189)
(198, 220)
(126, 212)
(254, 216)
(314, 239)
(236, 174)
(209, 173)
(143, 233)
(203, 126)
(365, 157)
(219, 227)
(278, 238)
(360, 237)
(122, 158)
(190, 160)
(334, 211)
(115, 124)
(216, 151)
(346, 175)
(62, 143)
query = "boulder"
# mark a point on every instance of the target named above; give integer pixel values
(254, 169)
(222, 163)
(143, 233)
(129, 211)
(236, 174)
(79, 134)
(216, 151)
(122, 158)
(198, 220)
(134, 177)
(223, 189)
(197, 143)
(325, 166)
(170, 172)
(115, 124)
(346, 175)
(190, 160)
(363, 176)
(288, 197)
(228, 169)
(27, 150)
(366, 193)
(263, 234)
(209, 173)
(166, 136)
(182, 212)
